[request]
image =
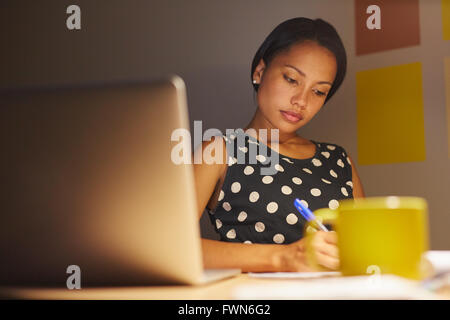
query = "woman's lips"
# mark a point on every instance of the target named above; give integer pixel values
(292, 116)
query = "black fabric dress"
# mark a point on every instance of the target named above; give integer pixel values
(256, 207)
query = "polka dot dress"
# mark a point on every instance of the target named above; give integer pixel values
(258, 208)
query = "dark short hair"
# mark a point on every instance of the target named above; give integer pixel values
(297, 30)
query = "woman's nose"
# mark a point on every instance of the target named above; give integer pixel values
(300, 98)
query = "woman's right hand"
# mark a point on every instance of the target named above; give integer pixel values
(320, 246)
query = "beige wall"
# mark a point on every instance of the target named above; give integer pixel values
(211, 45)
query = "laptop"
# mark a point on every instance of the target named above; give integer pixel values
(88, 182)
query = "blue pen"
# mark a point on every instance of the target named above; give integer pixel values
(307, 214)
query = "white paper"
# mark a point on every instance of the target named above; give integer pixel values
(360, 287)
(440, 260)
(294, 275)
(330, 285)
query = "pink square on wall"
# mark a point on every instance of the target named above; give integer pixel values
(398, 22)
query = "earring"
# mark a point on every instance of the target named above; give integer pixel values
(254, 81)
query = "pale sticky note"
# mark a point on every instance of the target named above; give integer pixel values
(390, 115)
(445, 4)
(447, 97)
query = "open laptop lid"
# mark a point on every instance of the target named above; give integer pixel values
(88, 180)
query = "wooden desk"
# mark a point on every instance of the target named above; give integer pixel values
(220, 290)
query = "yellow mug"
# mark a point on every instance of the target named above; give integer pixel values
(383, 235)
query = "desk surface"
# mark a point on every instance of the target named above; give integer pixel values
(219, 290)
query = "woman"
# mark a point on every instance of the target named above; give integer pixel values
(297, 69)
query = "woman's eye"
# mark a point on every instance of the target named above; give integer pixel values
(320, 93)
(289, 79)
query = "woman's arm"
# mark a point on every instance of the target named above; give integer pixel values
(273, 257)
(207, 175)
(358, 191)
(247, 257)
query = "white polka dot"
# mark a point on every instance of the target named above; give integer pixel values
(333, 204)
(235, 187)
(287, 160)
(272, 207)
(291, 218)
(231, 234)
(267, 179)
(231, 161)
(340, 163)
(344, 191)
(316, 162)
(243, 149)
(349, 183)
(307, 170)
(278, 238)
(326, 154)
(259, 227)
(296, 180)
(279, 168)
(221, 195)
(218, 223)
(232, 136)
(248, 170)
(261, 158)
(247, 242)
(242, 216)
(226, 206)
(286, 190)
(316, 192)
(304, 203)
(253, 142)
(330, 147)
(326, 181)
(333, 174)
(254, 196)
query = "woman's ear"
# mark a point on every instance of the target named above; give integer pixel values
(259, 70)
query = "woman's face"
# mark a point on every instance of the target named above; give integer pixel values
(293, 87)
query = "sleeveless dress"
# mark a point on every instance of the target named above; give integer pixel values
(258, 207)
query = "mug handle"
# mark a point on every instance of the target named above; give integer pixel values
(326, 216)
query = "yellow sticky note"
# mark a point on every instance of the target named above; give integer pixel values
(445, 4)
(447, 97)
(390, 115)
